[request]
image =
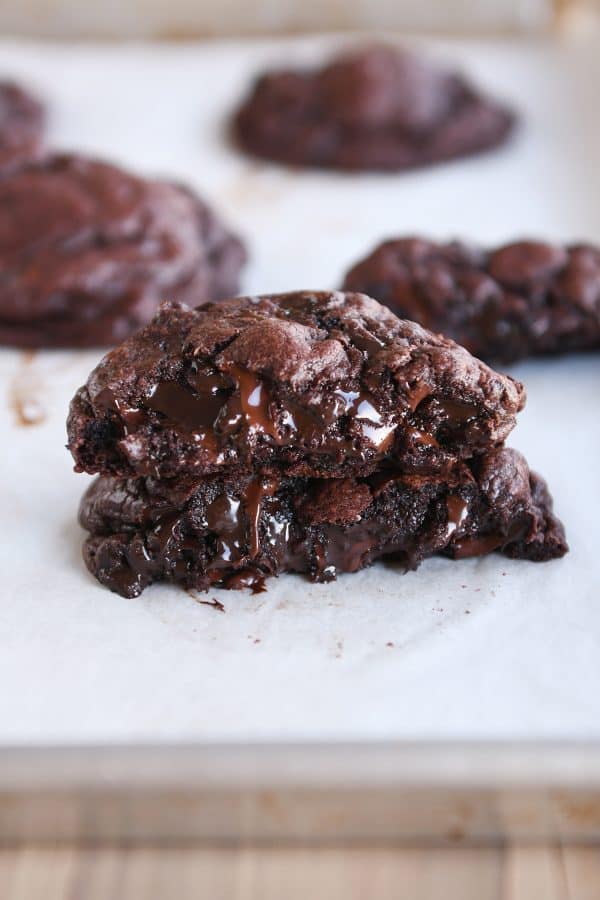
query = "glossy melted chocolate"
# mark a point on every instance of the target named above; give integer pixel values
(217, 407)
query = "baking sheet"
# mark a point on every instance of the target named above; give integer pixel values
(481, 649)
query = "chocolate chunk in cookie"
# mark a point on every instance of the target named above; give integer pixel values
(374, 108)
(89, 251)
(519, 300)
(214, 532)
(313, 384)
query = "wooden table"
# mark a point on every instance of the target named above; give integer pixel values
(250, 873)
(472, 823)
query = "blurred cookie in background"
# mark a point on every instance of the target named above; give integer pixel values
(88, 251)
(522, 299)
(374, 108)
(22, 119)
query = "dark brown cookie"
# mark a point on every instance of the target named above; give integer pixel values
(88, 252)
(21, 126)
(316, 384)
(519, 300)
(213, 532)
(373, 108)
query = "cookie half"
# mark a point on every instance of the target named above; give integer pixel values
(213, 532)
(318, 384)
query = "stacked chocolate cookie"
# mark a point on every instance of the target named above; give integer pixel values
(306, 432)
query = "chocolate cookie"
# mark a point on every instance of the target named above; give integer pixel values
(214, 532)
(519, 300)
(374, 108)
(88, 251)
(21, 126)
(312, 384)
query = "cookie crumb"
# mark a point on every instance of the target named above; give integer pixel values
(213, 602)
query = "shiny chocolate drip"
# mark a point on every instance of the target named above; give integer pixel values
(419, 438)
(417, 394)
(478, 545)
(278, 535)
(457, 413)
(457, 509)
(346, 549)
(224, 519)
(298, 420)
(357, 405)
(205, 407)
(367, 342)
(129, 574)
(382, 437)
(255, 402)
(131, 417)
(253, 495)
(361, 407)
(235, 522)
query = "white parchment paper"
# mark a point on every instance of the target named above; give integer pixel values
(487, 648)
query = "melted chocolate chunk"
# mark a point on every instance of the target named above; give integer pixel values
(130, 418)
(520, 300)
(307, 384)
(373, 108)
(457, 510)
(255, 402)
(236, 534)
(191, 411)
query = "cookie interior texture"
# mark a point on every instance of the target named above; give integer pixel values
(88, 251)
(310, 432)
(319, 384)
(377, 107)
(22, 120)
(521, 299)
